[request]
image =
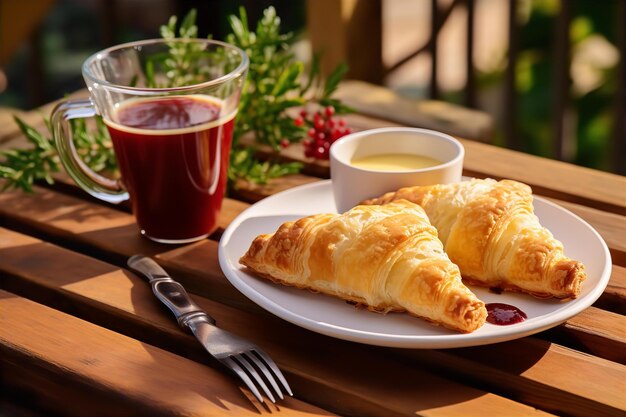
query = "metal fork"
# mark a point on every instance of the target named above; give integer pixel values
(244, 358)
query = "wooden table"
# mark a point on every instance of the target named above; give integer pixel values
(81, 335)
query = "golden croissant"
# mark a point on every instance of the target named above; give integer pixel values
(490, 231)
(387, 258)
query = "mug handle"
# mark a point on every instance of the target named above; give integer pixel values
(95, 184)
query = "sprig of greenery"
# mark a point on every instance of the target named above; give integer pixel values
(276, 83)
(22, 167)
(94, 146)
(244, 165)
(178, 63)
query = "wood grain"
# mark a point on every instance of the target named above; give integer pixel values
(550, 178)
(549, 374)
(582, 331)
(112, 235)
(614, 297)
(322, 370)
(612, 227)
(151, 379)
(31, 268)
(383, 103)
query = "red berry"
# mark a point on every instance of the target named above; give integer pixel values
(330, 123)
(342, 122)
(330, 110)
(299, 121)
(285, 142)
(318, 123)
(347, 131)
(321, 136)
(319, 152)
(303, 114)
(311, 133)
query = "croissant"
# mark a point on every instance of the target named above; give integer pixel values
(490, 231)
(387, 258)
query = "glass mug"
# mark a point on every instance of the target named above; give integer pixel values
(172, 144)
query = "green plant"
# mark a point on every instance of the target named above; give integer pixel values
(20, 168)
(276, 83)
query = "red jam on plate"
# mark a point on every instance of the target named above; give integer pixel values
(504, 314)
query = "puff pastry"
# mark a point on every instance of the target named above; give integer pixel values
(490, 231)
(387, 258)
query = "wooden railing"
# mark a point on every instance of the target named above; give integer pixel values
(365, 54)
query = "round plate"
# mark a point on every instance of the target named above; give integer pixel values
(335, 317)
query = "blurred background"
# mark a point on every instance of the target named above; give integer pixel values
(549, 73)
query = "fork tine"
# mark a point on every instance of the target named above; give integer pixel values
(266, 372)
(244, 377)
(242, 360)
(265, 357)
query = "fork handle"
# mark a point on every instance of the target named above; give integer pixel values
(170, 292)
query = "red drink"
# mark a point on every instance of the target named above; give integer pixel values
(173, 155)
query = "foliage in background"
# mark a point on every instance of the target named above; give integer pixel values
(275, 84)
(592, 26)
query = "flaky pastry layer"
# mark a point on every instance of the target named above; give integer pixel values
(385, 257)
(490, 231)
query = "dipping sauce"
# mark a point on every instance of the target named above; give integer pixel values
(504, 314)
(395, 162)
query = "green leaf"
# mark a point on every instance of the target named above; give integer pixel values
(149, 71)
(32, 134)
(239, 26)
(188, 23)
(274, 86)
(334, 78)
(287, 80)
(340, 108)
(314, 72)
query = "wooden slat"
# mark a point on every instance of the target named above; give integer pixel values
(198, 258)
(550, 376)
(561, 79)
(614, 297)
(550, 178)
(435, 18)
(511, 135)
(618, 146)
(253, 192)
(83, 226)
(381, 102)
(612, 227)
(323, 370)
(10, 135)
(470, 72)
(138, 374)
(8, 129)
(589, 330)
(340, 28)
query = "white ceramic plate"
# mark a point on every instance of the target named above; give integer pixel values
(334, 317)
